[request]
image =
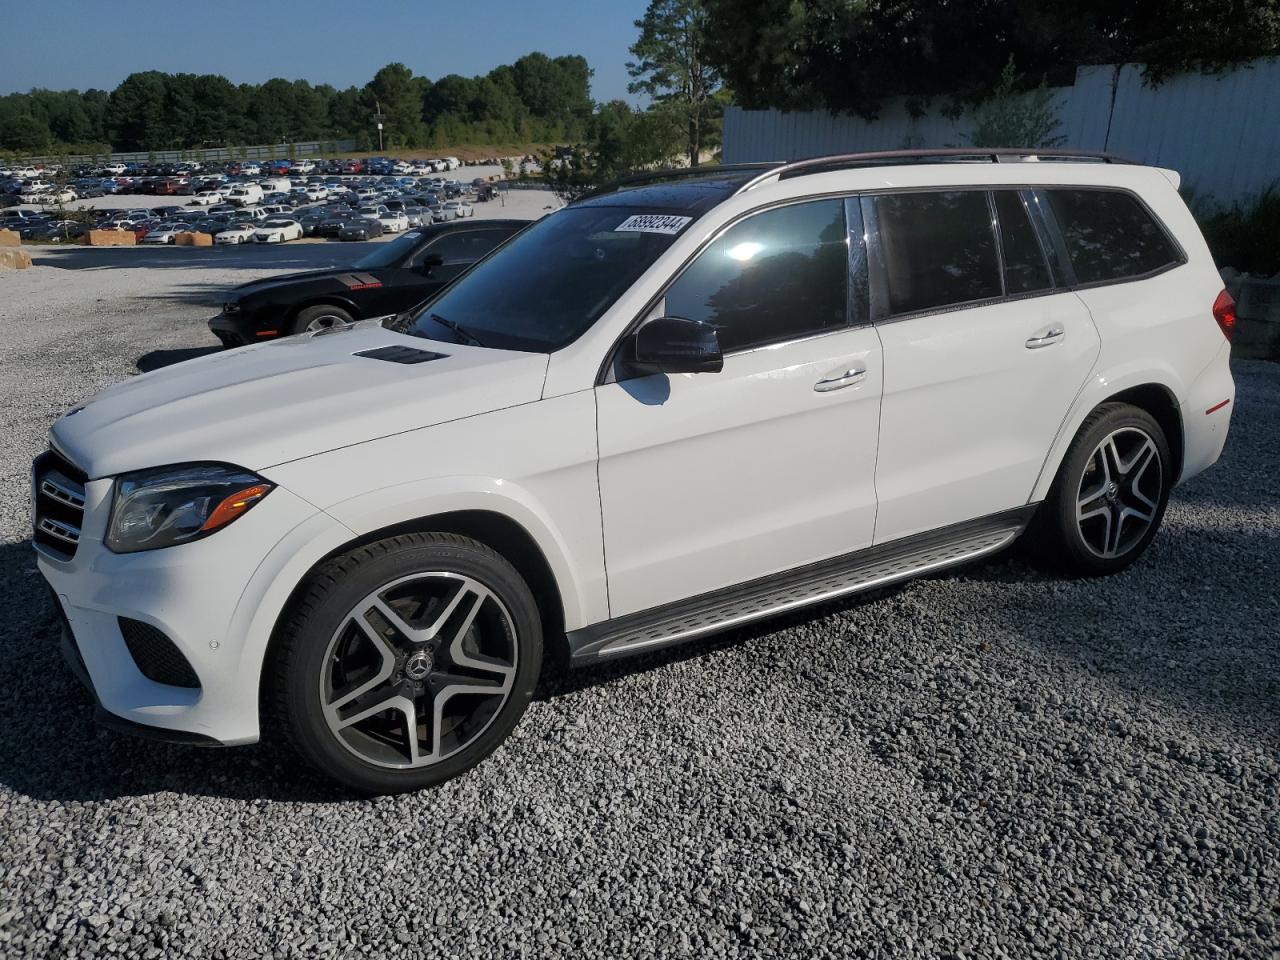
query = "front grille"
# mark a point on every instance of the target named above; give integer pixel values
(156, 656)
(59, 504)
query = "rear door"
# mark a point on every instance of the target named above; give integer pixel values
(984, 351)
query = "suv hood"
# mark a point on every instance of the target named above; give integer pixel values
(273, 402)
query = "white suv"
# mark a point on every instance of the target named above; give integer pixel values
(672, 407)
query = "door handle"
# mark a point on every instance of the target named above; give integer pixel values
(1046, 337)
(837, 381)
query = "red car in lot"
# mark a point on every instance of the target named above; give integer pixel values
(353, 166)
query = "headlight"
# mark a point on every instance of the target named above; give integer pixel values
(170, 505)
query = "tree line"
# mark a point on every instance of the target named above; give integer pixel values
(691, 57)
(536, 99)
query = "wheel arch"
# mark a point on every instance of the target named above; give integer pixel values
(501, 532)
(1153, 392)
(1159, 401)
(324, 300)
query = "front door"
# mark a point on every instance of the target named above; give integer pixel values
(713, 479)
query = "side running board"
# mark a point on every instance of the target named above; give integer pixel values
(815, 583)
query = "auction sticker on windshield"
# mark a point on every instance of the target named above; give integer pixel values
(653, 223)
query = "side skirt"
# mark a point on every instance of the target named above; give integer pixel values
(817, 582)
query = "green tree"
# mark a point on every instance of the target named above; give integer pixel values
(1013, 118)
(673, 67)
(393, 91)
(848, 55)
(623, 140)
(136, 116)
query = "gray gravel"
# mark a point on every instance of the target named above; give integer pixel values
(995, 763)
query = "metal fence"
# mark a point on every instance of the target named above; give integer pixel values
(1220, 132)
(257, 152)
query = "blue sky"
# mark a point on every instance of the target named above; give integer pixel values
(63, 44)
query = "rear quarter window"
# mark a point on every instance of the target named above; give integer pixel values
(1109, 235)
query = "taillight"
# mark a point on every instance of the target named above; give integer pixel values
(1224, 311)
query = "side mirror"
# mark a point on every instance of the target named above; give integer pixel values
(675, 345)
(430, 262)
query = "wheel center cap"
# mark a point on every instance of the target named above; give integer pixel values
(418, 666)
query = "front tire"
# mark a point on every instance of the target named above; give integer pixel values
(1109, 497)
(321, 317)
(408, 661)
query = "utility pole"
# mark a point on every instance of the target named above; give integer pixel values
(378, 116)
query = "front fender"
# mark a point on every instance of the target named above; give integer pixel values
(581, 585)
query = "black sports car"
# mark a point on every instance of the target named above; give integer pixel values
(391, 279)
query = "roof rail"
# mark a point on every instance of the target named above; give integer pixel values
(886, 158)
(677, 173)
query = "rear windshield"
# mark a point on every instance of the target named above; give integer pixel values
(547, 286)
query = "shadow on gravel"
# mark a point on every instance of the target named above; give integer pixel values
(256, 256)
(51, 748)
(1187, 624)
(164, 358)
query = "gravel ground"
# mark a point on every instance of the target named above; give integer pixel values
(993, 763)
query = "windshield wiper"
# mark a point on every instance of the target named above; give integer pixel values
(466, 335)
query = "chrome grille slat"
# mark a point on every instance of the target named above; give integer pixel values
(60, 488)
(59, 491)
(63, 531)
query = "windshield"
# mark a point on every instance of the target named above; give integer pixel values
(390, 254)
(550, 283)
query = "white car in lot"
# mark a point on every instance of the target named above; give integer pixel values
(661, 411)
(244, 195)
(459, 209)
(277, 231)
(236, 234)
(394, 221)
(208, 197)
(371, 211)
(166, 233)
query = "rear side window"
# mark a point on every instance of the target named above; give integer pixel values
(939, 249)
(1110, 236)
(1025, 268)
(777, 276)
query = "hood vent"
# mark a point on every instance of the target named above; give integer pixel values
(399, 354)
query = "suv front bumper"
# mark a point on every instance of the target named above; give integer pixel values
(215, 600)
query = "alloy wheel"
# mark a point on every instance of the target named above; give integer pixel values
(325, 321)
(418, 670)
(1119, 493)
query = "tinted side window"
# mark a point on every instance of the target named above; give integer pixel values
(463, 247)
(1025, 269)
(938, 249)
(1109, 235)
(779, 275)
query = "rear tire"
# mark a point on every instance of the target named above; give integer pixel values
(437, 630)
(1109, 496)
